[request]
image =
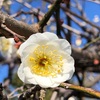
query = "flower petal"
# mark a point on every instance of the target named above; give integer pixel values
(44, 82)
(29, 77)
(50, 36)
(22, 48)
(62, 77)
(53, 44)
(27, 50)
(35, 38)
(68, 66)
(21, 73)
(25, 75)
(64, 45)
(28, 73)
(55, 85)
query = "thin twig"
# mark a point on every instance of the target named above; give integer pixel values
(82, 89)
(17, 89)
(57, 18)
(88, 44)
(47, 16)
(22, 38)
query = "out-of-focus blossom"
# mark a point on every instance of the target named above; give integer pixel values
(7, 46)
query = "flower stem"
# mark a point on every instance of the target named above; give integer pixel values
(82, 89)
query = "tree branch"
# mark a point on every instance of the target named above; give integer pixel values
(80, 88)
(88, 44)
(18, 27)
(47, 16)
(74, 14)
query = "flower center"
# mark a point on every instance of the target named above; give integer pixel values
(45, 61)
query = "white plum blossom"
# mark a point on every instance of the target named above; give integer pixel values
(7, 48)
(46, 60)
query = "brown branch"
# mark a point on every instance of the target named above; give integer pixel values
(81, 24)
(29, 93)
(42, 14)
(57, 18)
(12, 93)
(89, 91)
(88, 44)
(80, 17)
(26, 13)
(74, 14)
(79, 7)
(22, 28)
(47, 16)
(18, 27)
(27, 5)
(75, 31)
(91, 83)
(4, 28)
(68, 36)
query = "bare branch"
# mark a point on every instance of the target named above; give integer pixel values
(81, 89)
(47, 16)
(18, 27)
(93, 41)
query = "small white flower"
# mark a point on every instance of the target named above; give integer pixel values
(46, 60)
(7, 47)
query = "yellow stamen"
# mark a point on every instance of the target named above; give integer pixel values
(45, 62)
(32, 59)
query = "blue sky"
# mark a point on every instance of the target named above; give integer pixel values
(3, 72)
